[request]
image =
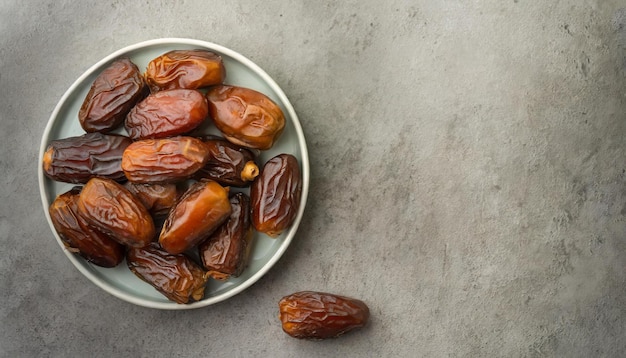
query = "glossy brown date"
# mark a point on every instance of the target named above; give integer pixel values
(165, 160)
(275, 195)
(78, 159)
(185, 69)
(167, 114)
(245, 117)
(201, 210)
(175, 276)
(78, 236)
(113, 93)
(318, 315)
(225, 253)
(157, 198)
(112, 209)
(229, 164)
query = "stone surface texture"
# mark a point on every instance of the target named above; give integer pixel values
(468, 177)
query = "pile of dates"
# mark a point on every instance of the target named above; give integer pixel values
(159, 195)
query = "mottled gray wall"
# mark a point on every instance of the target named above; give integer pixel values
(468, 177)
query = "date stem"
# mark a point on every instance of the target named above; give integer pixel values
(250, 171)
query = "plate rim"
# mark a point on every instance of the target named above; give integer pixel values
(305, 172)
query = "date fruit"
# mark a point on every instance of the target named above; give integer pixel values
(157, 198)
(111, 96)
(166, 114)
(318, 315)
(175, 276)
(201, 210)
(112, 209)
(165, 160)
(191, 69)
(229, 164)
(245, 117)
(78, 236)
(78, 159)
(275, 195)
(225, 253)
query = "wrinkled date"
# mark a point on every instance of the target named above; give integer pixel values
(79, 237)
(175, 276)
(275, 195)
(245, 117)
(201, 210)
(167, 114)
(157, 198)
(229, 164)
(164, 160)
(318, 315)
(78, 159)
(225, 253)
(185, 69)
(113, 93)
(112, 209)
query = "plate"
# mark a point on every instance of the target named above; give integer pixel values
(120, 281)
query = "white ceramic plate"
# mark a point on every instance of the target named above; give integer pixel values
(119, 281)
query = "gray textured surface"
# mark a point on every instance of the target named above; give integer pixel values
(468, 177)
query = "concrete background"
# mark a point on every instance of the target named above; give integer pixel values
(468, 177)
